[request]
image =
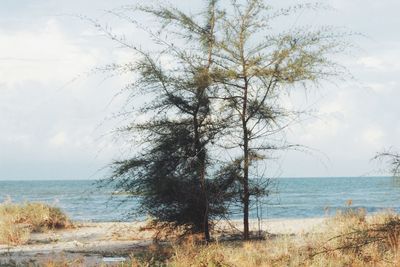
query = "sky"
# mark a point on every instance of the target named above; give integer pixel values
(54, 112)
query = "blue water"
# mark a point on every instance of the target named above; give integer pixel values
(290, 197)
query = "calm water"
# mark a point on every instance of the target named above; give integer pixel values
(292, 197)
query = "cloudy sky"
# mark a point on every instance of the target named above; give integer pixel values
(53, 116)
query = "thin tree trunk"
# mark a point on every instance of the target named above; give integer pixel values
(201, 165)
(246, 195)
(200, 149)
(202, 152)
(206, 223)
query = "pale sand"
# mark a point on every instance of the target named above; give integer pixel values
(280, 226)
(93, 241)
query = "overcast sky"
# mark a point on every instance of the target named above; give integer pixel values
(53, 116)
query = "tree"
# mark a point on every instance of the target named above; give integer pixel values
(171, 174)
(228, 75)
(253, 68)
(393, 160)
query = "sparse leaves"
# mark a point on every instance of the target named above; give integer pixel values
(218, 84)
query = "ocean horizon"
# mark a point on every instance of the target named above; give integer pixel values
(299, 197)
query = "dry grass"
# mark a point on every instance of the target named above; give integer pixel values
(17, 221)
(11, 233)
(64, 262)
(349, 239)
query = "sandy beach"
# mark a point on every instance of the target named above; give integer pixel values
(91, 244)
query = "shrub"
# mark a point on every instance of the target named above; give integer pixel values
(351, 238)
(11, 233)
(17, 221)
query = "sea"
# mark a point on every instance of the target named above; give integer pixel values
(289, 198)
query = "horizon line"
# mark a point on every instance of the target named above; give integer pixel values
(284, 177)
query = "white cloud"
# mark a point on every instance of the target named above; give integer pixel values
(42, 121)
(386, 60)
(336, 107)
(38, 122)
(59, 139)
(322, 129)
(372, 62)
(382, 87)
(373, 137)
(43, 55)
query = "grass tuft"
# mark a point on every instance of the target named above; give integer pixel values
(18, 221)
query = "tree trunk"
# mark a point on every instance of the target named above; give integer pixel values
(201, 165)
(207, 237)
(246, 160)
(246, 195)
(206, 223)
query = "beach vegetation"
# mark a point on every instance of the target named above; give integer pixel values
(392, 159)
(18, 221)
(254, 67)
(214, 113)
(170, 172)
(351, 238)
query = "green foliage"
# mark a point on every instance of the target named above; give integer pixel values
(222, 85)
(171, 172)
(164, 176)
